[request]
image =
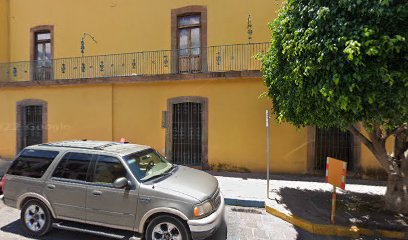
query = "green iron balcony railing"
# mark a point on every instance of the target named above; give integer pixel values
(237, 57)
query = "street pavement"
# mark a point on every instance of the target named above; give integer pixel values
(243, 224)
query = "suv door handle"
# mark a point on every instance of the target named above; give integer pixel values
(96, 193)
(51, 186)
(144, 199)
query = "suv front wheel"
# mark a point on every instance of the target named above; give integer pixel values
(167, 227)
(36, 217)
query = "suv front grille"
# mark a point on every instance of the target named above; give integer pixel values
(216, 200)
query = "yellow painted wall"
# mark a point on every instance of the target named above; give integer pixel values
(236, 120)
(73, 113)
(368, 160)
(4, 31)
(130, 25)
(106, 112)
(236, 124)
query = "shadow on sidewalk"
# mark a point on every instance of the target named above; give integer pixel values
(363, 210)
(16, 228)
(293, 177)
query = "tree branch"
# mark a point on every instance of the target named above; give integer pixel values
(396, 131)
(363, 138)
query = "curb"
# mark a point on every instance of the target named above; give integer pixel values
(335, 230)
(244, 202)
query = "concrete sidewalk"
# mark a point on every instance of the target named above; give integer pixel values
(305, 202)
(250, 190)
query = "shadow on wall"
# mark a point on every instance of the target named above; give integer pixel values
(362, 210)
(374, 173)
(222, 167)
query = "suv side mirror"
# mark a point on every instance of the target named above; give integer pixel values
(121, 182)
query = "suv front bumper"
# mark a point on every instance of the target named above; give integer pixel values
(205, 227)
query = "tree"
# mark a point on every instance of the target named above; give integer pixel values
(341, 64)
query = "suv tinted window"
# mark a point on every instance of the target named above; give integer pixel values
(32, 163)
(73, 166)
(59, 170)
(108, 169)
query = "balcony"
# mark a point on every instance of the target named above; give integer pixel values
(223, 58)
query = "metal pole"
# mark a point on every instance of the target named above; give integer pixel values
(268, 156)
(333, 212)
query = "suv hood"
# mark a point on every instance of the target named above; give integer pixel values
(191, 182)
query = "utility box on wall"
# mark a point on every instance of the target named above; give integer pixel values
(165, 120)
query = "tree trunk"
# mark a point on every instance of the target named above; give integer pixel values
(396, 165)
(396, 196)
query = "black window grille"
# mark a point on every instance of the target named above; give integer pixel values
(32, 129)
(334, 143)
(187, 134)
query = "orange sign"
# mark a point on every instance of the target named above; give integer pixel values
(336, 172)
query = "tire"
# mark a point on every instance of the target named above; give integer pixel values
(173, 226)
(36, 218)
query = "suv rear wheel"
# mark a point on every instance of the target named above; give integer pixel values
(167, 228)
(36, 217)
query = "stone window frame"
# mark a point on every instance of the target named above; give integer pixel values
(19, 116)
(204, 121)
(33, 32)
(183, 11)
(311, 151)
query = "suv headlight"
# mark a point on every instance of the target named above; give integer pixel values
(203, 209)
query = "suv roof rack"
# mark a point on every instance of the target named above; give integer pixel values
(81, 144)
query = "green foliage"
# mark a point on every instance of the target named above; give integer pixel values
(335, 63)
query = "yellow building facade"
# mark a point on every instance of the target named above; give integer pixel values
(179, 76)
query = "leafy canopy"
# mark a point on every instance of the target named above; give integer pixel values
(335, 63)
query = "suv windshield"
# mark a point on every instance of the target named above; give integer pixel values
(147, 164)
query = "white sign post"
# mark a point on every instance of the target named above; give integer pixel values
(268, 156)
